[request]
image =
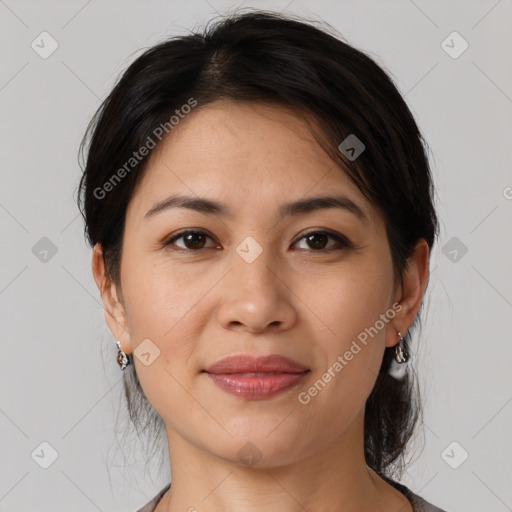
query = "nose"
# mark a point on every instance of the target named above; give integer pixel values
(255, 297)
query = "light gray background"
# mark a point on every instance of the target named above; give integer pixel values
(54, 386)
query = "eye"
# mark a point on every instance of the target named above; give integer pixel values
(192, 240)
(317, 240)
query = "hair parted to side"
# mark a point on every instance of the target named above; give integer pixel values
(260, 56)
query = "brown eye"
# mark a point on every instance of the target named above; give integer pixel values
(319, 240)
(192, 240)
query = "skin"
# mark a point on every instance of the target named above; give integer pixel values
(295, 299)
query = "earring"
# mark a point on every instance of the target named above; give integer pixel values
(401, 353)
(122, 358)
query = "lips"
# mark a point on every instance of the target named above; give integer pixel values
(247, 364)
(253, 378)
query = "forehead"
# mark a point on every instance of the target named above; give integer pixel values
(239, 152)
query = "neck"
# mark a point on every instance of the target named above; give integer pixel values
(333, 478)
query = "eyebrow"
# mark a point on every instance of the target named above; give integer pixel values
(302, 206)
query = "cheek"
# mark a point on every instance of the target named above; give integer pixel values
(353, 308)
(158, 296)
(353, 300)
(161, 306)
(165, 302)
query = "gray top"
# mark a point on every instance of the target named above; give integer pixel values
(418, 503)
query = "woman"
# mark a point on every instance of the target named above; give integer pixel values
(260, 207)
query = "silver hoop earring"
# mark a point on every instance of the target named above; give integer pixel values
(122, 358)
(401, 353)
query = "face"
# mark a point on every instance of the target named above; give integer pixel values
(254, 278)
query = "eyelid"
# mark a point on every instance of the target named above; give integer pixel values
(172, 238)
(342, 239)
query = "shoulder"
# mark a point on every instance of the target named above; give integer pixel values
(417, 502)
(150, 505)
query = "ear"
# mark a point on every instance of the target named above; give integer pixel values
(410, 293)
(115, 314)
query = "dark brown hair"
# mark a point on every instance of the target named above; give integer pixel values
(265, 57)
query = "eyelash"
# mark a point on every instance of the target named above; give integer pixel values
(343, 241)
